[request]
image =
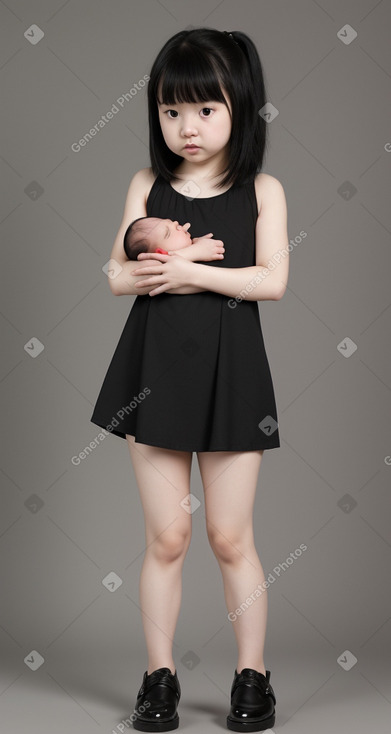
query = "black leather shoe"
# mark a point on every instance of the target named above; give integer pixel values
(252, 701)
(157, 701)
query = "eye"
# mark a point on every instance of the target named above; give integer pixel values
(209, 109)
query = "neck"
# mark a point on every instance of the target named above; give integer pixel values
(205, 170)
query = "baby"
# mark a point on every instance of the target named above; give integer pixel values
(152, 234)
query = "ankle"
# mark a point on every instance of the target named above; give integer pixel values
(151, 668)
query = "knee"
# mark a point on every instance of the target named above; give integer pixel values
(171, 545)
(227, 544)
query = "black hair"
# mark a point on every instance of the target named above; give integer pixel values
(133, 242)
(196, 66)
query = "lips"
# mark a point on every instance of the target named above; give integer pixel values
(191, 146)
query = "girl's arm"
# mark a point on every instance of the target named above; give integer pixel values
(254, 283)
(125, 280)
(267, 280)
(120, 268)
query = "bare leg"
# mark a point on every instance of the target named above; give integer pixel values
(163, 479)
(230, 481)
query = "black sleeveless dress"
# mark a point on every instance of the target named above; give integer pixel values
(190, 372)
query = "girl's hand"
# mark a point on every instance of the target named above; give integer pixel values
(170, 271)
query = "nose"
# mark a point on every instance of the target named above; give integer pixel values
(189, 128)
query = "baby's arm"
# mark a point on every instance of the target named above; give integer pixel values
(203, 248)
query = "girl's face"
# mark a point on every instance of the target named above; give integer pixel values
(207, 125)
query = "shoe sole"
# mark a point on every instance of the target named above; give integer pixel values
(254, 725)
(158, 726)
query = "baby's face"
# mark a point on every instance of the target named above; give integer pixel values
(168, 235)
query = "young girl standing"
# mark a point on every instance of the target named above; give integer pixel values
(190, 371)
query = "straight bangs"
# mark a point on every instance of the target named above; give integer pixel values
(189, 77)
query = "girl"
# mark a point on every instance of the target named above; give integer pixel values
(190, 371)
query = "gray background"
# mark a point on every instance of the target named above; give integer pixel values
(63, 528)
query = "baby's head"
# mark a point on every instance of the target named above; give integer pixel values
(148, 233)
